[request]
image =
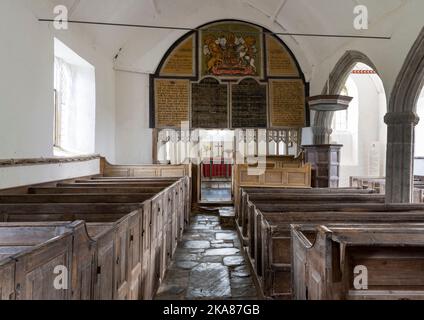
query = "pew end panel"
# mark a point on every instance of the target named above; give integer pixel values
(390, 258)
(7, 279)
(35, 275)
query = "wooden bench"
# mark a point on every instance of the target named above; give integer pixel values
(375, 183)
(135, 241)
(108, 179)
(96, 262)
(290, 197)
(72, 198)
(259, 228)
(419, 193)
(145, 171)
(272, 200)
(166, 181)
(7, 281)
(378, 184)
(95, 190)
(325, 258)
(289, 191)
(30, 252)
(272, 244)
(113, 184)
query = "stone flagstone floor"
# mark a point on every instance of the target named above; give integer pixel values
(208, 265)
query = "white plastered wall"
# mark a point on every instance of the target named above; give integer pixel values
(26, 95)
(133, 136)
(364, 150)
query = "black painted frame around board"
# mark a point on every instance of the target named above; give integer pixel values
(197, 79)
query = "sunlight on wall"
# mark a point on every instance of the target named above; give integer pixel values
(419, 129)
(75, 104)
(345, 126)
(361, 130)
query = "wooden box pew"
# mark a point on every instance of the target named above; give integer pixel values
(169, 224)
(125, 180)
(325, 258)
(241, 207)
(257, 212)
(91, 212)
(149, 171)
(295, 198)
(290, 202)
(104, 263)
(119, 243)
(272, 246)
(118, 260)
(184, 184)
(29, 254)
(80, 198)
(165, 222)
(115, 184)
(183, 171)
(419, 193)
(159, 239)
(94, 190)
(377, 184)
(181, 186)
(7, 281)
(113, 245)
(252, 190)
(111, 179)
(290, 191)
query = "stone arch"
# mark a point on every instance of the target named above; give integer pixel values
(401, 121)
(410, 80)
(323, 119)
(343, 68)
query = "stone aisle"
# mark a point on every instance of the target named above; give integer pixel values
(208, 265)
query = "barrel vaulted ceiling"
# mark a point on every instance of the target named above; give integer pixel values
(143, 48)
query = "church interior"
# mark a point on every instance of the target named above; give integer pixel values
(211, 150)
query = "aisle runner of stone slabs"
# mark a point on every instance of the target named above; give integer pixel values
(208, 265)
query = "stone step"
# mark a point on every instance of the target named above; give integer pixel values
(227, 217)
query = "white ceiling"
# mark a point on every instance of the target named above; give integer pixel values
(297, 16)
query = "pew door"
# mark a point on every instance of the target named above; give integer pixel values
(103, 288)
(134, 255)
(121, 283)
(35, 271)
(148, 248)
(7, 280)
(84, 255)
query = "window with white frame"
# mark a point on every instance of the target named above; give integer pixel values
(74, 103)
(341, 118)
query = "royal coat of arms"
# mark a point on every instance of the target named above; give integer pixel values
(231, 50)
